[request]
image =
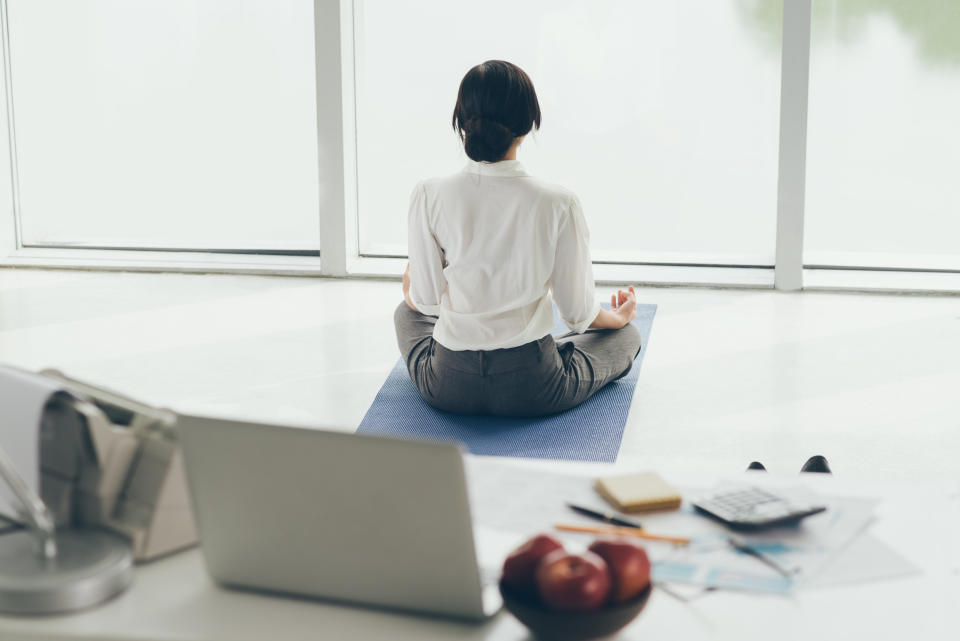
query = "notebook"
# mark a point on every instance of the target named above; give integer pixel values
(643, 492)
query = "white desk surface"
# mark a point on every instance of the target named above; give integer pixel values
(175, 600)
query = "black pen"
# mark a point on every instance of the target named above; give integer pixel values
(609, 517)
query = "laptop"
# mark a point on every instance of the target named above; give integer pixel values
(354, 518)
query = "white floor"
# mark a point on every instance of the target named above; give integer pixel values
(871, 381)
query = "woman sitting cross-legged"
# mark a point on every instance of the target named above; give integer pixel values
(491, 249)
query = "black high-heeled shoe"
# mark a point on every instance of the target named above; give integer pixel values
(816, 464)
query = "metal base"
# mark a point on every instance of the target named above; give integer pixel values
(91, 566)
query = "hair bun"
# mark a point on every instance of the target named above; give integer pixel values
(486, 140)
(496, 104)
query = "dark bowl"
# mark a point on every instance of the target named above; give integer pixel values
(554, 625)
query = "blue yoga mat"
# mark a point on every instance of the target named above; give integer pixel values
(589, 432)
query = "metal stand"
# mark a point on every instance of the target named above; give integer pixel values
(43, 571)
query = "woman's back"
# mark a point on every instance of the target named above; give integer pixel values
(492, 232)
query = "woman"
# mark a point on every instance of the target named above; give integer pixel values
(491, 249)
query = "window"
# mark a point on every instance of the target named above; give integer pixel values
(883, 155)
(661, 116)
(186, 124)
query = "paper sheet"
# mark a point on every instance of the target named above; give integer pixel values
(807, 549)
(508, 498)
(23, 396)
(865, 559)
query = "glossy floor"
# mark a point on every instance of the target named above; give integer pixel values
(731, 375)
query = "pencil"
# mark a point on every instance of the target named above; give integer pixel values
(622, 531)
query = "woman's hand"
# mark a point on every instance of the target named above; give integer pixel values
(624, 305)
(623, 309)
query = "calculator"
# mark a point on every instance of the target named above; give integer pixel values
(753, 508)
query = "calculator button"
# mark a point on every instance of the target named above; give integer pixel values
(752, 507)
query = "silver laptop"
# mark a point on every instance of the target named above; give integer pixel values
(348, 517)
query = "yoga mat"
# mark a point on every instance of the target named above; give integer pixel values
(589, 432)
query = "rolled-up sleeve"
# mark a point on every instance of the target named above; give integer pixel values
(572, 277)
(427, 282)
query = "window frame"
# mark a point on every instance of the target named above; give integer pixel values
(335, 24)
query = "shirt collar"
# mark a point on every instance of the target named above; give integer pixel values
(502, 168)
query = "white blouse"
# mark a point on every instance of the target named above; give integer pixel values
(487, 247)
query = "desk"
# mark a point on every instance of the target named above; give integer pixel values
(174, 599)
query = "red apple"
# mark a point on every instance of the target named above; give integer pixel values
(629, 567)
(519, 569)
(573, 581)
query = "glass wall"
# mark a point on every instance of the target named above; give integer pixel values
(662, 116)
(883, 160)
(192, 125)
(184, 124)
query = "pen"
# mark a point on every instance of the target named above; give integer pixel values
(623, 531)
(746, 548)
(608, 517)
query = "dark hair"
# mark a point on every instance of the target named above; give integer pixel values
(496, 103)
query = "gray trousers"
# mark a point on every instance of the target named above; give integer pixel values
(540, 378)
